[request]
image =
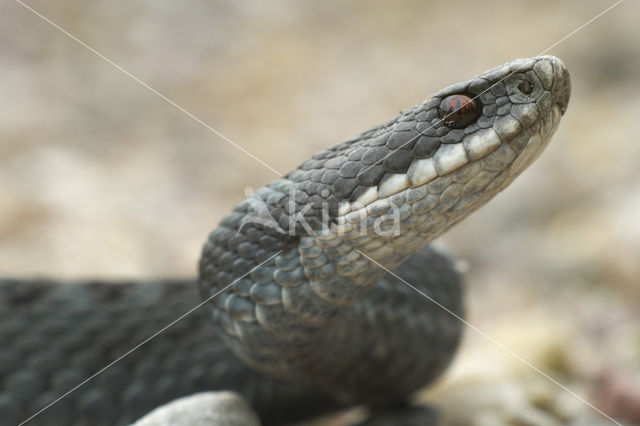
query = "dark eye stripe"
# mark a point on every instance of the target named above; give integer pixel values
(458, 111)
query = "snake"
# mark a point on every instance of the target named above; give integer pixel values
(322, 290)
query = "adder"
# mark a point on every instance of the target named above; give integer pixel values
(301, 317)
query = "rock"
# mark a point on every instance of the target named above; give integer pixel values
(203, 409)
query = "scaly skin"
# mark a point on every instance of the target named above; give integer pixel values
(300, 314)
(54, 335)
(309, 312)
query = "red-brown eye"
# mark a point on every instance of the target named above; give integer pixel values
(458, 111)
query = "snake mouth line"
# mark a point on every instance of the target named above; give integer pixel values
(452, 159)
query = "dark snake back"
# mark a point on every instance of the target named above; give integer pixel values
(53, 336)
(56, 335)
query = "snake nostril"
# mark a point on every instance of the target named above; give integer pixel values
(525, 87)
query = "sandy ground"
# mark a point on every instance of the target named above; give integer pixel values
(99, 177)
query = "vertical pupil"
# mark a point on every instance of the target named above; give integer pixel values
(458, 111)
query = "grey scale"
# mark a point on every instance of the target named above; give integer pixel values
(319, 326)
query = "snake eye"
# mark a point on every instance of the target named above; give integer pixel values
(525, 87)
(457, 111)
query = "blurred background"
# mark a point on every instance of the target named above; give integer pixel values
(99, 177)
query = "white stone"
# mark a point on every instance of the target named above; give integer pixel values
(203, 409)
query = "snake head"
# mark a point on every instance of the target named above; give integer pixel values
(447, 156)
(500, 121)
(397, 186)
(434, 164)
(441, 160)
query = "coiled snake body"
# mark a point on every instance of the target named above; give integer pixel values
(306, 318)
